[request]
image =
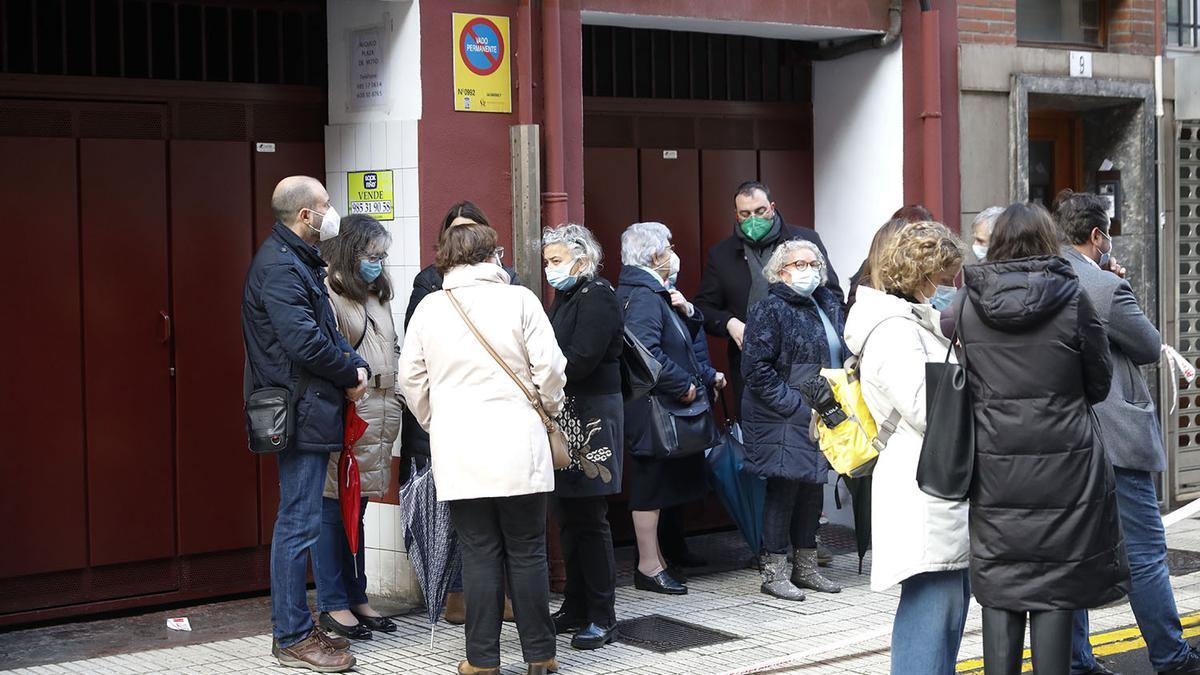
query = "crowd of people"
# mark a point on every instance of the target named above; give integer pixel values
(1061, 516)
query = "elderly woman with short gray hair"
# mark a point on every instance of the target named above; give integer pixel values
(790, 336)
(587, 324)
(667, 325)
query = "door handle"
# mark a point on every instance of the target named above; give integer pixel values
(166, 326)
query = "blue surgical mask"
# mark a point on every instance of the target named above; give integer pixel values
(943, 297)
(805, 281)
(672, 279)
(560, 278)
(370, 271)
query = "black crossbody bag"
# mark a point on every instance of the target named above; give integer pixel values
(271, 413)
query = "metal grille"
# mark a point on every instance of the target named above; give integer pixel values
(1186, 427)
(662, 634)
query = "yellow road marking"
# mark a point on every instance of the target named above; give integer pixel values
(1103, 644)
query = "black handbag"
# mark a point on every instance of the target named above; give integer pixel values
(639, 368)
(947, 462)
(680, 429)
(271, 413)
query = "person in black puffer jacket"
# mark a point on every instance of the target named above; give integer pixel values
(793, 333)
(1044, 527)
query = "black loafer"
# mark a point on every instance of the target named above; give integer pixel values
(593, 636)
(677, 574)
(659, 583)
(379, 623)
(1190, 665)
(565, 622)
(355, 632)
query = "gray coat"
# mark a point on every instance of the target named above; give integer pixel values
(1128, 422)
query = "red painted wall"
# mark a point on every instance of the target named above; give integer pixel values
(864, 14)
(465, 155)
(914, 168)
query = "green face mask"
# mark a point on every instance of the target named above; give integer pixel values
(756, 227)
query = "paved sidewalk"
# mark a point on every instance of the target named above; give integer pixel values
(762, 628)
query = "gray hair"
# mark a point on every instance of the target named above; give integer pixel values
(774, 269)
(642, 242)
(580, 242)
(987, 218)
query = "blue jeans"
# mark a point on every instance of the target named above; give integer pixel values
(297, 529)
(929, 623)
(341, 579)
(1151, 597)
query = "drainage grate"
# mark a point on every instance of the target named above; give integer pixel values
(1182, 562)
(661, 634)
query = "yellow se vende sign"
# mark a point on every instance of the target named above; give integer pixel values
(370, 194)
(482, 77)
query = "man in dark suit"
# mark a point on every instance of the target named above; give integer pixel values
(733, 281)
(1132, 438)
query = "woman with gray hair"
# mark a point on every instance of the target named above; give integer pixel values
(790, 336)
(587, 324)
(666, 324)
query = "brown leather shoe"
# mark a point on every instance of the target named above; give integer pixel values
(543, 667)
(312, 653)
(465, 668)
(456, 609)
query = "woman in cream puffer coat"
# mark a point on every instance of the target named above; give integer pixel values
(360, 292)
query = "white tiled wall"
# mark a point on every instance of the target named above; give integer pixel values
(384, 145)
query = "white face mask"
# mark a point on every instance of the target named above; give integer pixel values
(331, 223)
(980, 251)
(804, 281)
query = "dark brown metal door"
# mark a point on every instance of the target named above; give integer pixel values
(211, 236)
(42, 388)
(670, 194)
(789, 174)
(127, 358)
(610, 200)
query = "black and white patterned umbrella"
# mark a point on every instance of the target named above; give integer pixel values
(430, 540)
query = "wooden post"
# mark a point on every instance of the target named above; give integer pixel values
(526, 206)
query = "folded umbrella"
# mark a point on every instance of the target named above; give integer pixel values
(430, 540)
(743, 495)
(860, 503)
(349, 487)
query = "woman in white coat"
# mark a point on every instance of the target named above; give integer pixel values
(490, 454)
(918, 541)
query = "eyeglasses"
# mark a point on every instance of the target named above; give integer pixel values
(801, 265)
(380, 258)
(499, 253)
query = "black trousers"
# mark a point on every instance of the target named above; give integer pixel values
(791, 514)
(587, 550)
(498, 534)
(1049, 641)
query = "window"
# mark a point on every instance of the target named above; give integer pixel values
(1181, 23)
(1071, 22)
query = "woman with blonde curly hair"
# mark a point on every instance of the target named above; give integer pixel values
(918, 541)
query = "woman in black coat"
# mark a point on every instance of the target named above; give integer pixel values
(587, 322)
(793, 333)
(666, 324)
(1045, 536)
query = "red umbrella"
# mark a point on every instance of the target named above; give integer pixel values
(349, 489)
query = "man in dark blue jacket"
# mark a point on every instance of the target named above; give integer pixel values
(292, 341)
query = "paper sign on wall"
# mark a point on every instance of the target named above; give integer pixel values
(367, 85)
(370, 193)
(482, 77)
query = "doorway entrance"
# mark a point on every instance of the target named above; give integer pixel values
(1055, 156)
(134, 226)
